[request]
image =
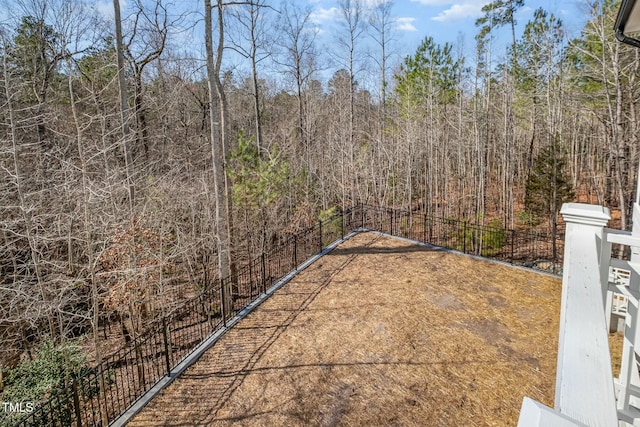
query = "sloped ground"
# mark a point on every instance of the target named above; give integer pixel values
(379, 332)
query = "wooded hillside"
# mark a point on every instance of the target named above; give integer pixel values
(134, 169)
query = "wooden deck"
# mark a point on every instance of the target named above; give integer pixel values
(379, 332)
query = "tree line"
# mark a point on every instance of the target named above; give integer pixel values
(135, 172)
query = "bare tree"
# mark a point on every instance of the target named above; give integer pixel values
(353, 30)
(255, 46)
(218, 134)
(297, 58)
(145, 44)
(124, 105)
(19, 239)
(381, 25)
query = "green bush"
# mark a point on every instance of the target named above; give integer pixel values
(327, 214)
(331, 225)
(494, 238)
(52, 369)
(528, 220)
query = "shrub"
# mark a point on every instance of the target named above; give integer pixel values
(494, 238)
(52, 369)
(331, 225)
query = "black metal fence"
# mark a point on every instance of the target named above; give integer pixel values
(106, 391)
(527, 248)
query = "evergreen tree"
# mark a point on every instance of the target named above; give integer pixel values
(34, 58)
(429, 75)
(548, 186)
(499, 13)
(427, 78)
(540, 40)
(534, 69)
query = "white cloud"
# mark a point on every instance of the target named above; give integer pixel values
(405, 24)
(433, 2)
(456, 10)
(462, 10)
(370, 4)
(322, 15)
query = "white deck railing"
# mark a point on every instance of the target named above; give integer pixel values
(595, 289)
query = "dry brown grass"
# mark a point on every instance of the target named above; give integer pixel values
(379, 332)
(616, 340)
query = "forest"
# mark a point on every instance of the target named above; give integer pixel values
(134, 172)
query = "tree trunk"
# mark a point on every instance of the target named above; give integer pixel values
(217, 152)
(124, 106)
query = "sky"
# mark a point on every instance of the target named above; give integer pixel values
(444, 20)
(451, 21)
(447, 20)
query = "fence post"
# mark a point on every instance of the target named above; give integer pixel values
(342, 225)
(250, 278)
(102, 403)
(223, 305)
(76, 402)
(166, 344)
(295, 252)
(206, 307)
(391, 222)
(264, 275)
(424, 229)
(361, 215)
(464, 237)
(430, 221)
(320, 232)
(583, 345)
(513, 238)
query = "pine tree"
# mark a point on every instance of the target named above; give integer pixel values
(548, 186)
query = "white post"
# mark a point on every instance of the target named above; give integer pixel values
(584, 381)
(628, 364)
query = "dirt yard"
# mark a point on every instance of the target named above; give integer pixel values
(377, 333)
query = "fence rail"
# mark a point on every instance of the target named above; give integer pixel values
(107, 390)
(527, 248)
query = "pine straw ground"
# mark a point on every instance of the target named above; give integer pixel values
(379, 332)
